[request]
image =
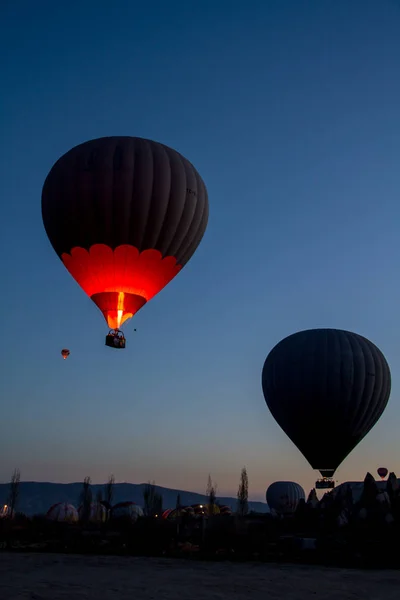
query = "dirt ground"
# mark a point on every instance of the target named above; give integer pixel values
(67, 577)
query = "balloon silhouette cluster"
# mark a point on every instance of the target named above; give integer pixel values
(353, 525)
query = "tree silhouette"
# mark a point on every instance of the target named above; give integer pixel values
(211, 493)
(243, 494)
(152, 500)
(109, 491)
(85, 498)
(13, 495)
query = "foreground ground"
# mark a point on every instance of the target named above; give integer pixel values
(68, 577)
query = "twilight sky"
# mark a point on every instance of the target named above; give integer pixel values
(289, 109)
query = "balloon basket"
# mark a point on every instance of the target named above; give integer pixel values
(115, 339)
(324, 484)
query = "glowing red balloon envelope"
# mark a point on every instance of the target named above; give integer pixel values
(124, 215)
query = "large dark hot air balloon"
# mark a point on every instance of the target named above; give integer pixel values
(382, 472)
(124, 215)
(326, 388)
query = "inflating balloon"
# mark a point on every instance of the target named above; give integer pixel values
(326, 388)
(124, 215)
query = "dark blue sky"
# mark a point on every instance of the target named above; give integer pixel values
(290, 112)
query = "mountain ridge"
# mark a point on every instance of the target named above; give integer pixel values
(36, 497)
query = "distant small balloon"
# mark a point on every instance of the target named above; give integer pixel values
(65, 353)
(382, 472)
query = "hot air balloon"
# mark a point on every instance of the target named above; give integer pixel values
(284, 496)
(63, 512)
(382, 472)
(326, 388)
(65, 353)
(124, 214)
(125, 510)
(174, 514)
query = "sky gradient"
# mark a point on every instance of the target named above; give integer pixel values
(289, 110)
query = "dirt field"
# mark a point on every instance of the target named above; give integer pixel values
(62, 577)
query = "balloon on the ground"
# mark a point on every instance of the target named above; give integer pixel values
(326, 388)
(125, 510)
(62, 512)
(284, 496)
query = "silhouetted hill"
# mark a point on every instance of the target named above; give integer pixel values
(37, 497)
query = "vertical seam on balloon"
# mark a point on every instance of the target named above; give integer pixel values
(96, 276)
(205, 213)
(377, 392)
(189, 243)
(381, 399)
(338, 341)
(359, 398)
(204, 221)
(150, 203)
(345, 345)
(76, 201)
(146, 261)
(172, 240)
(199, 198)
(371, 418)
(113, 247)
(125, 265)
(364, 402)
(90, 210)
(325, 355)
(164, 149)
(351, 415)
(388, 380)
(196, 238)
(354, 345)
(82, 264)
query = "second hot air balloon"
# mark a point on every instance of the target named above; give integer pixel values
(382, 472)
(124, 215)
(284, 496)
(326, 388)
